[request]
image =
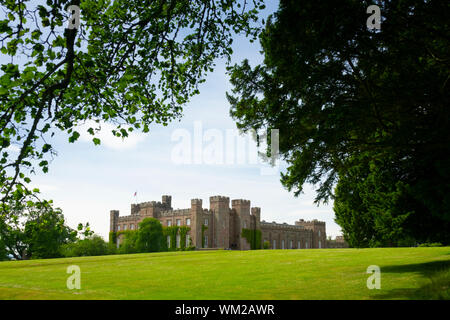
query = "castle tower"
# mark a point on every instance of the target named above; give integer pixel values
(167, 202)
(220, 207)
(242, 221)
(113, 220)
(319, 236)
(256, 216)
(196, 222)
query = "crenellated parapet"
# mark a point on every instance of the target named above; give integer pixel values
(219, 198)
(282, 226)
(314, 222)
(129, 218)
(197, 202)
(177, 212)
(240, 202)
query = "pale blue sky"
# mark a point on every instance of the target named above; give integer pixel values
(88, 181)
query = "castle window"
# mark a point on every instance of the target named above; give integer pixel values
(274, 244)
(168, 241)
(319, 233)
(206, 222)
(118, 227)
(320, 245)
(188, 222)
(282, 244)
(206, 242)
(188, 239)
(132, 226)
(178, 238)
(298, 245)
(178, 222)
(169, 223)
(306, 244)
(124, 227)
(245, 224)
(291, 245)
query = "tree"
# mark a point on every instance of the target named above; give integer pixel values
(375, 207)
(93, 245)
(34, 230)
(337, 90)
(130, 63)
(150, 237)
(129, 242)
(3, 251)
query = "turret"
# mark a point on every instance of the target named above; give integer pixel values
(113, 220)
(319, 236)
(243, 221)
(167, 202)
(196, 222)
(256, 214)
(220, 207)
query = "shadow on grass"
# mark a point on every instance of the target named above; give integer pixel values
(436, 287)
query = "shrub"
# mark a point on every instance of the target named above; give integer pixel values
(129, 243)
(432, 244)
(150, 237)
(92, 246)
(3, 251)
(266, 245)
(112, 248)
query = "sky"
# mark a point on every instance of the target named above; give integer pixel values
(87, 181)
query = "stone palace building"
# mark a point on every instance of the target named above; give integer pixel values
(221, 226)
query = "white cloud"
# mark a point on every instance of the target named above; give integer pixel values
(107, 138)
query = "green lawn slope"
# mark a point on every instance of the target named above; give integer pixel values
(406, 273)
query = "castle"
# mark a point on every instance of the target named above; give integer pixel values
(221, 226)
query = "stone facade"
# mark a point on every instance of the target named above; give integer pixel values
(339, 242)
(223, 225)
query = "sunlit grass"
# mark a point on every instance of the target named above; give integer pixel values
(406, 273)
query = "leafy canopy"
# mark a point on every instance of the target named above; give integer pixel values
(334, 88)
(131, 63)
(337, 90)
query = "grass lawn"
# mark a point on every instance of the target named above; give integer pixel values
(406, 273)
